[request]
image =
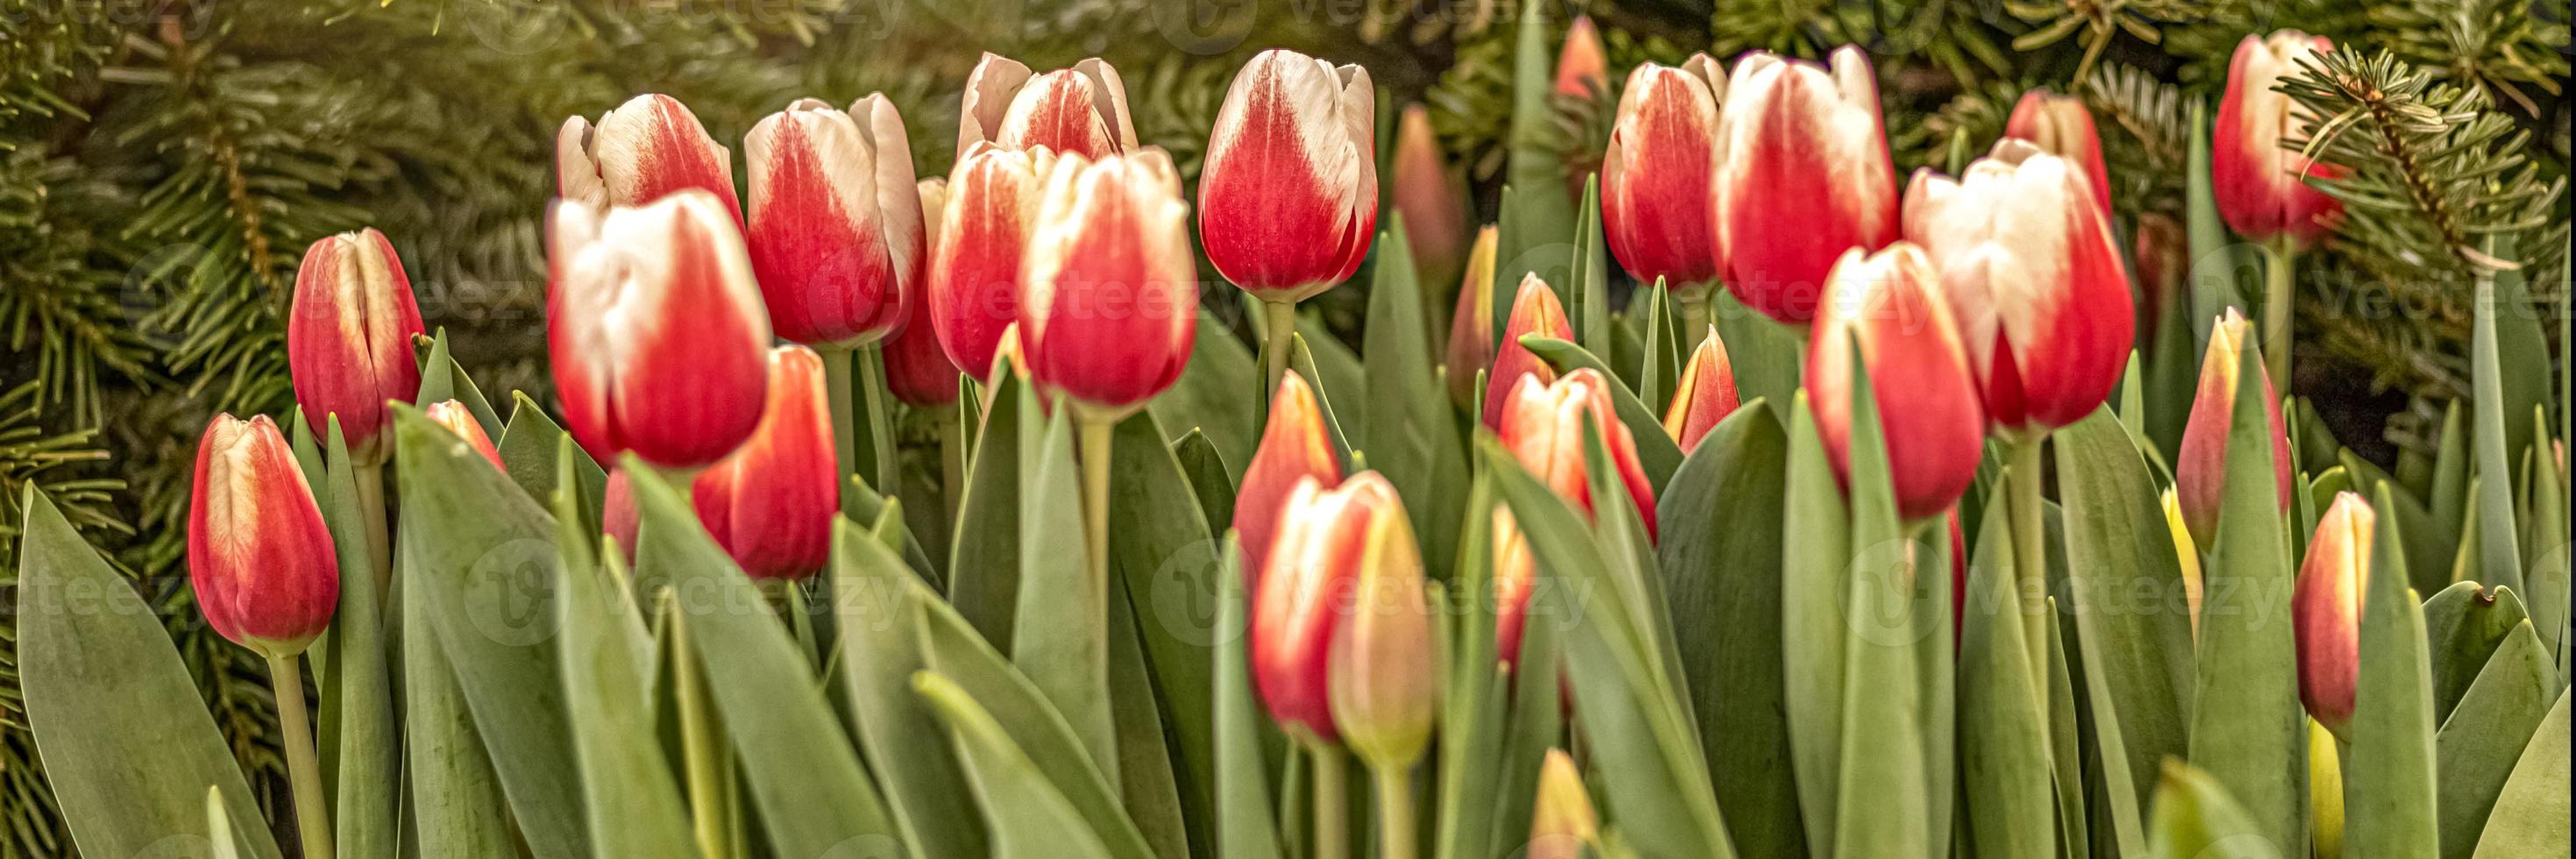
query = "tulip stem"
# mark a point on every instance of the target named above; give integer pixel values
(2280, 281)
(1092, 435)
(303, 765)
(880, 421)
(1279, 320)
(1332, 802)
(702, 752)
(952, 461)
(1396, 836)
(845, 439)
(2030, 544)
(371, 511)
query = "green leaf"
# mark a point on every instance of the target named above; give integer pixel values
(2002, 707)
(2197, 819)
(1145, 769)
(1882, 730)
(1244, 828)
(1211, 395)
(1207, 472)
(1534, 723)
(1163, 556)
(897, 731)
(2522, 385)
(2453, 457)
(2464, 624)
(2495, 428)
(2173, 375)
(2118, 547)
(1721, 556)
(2545, 546)
(1407, 429)
(2530, 817)
(1590, 291)
(1474, 697)
(2388, 784)
(368, 764)
(442, 379)
(2066, 742)
(1060, 637)
(1768, 356)
(2479, 744)
(2216, 263)
(1656, 451)
(2247, 730)
(1666, 344)
(530, 448)
(984, 562)
(632, 806)
(1030, 817)
(106, 693)
(1537, 217)
(1816, 551)
(811, 796)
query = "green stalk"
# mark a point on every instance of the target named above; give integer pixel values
(371, 509)
(880, 419)
(2279, 282)
(1332, 803)
(702, 752)
(303, 765)
(952, 461)
(1395, 827)
(2030, 545)
(845, 441)
(1092, 439)
(1279, 320)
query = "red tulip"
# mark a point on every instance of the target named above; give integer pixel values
(982, 233)
(2035, 282)
(1471, 325)
(655, 330)
(1656, 181)
(454, 416)
(2258, 182)
(1294, 448)
(1705, 396)
(617, 516)
(348, 339)
(1077, 111)
(2060, 126)
(1430, 196)
(917, 367)
(1288, 198)
(1109, 291)
(259, 557)
(1582, 66)
(1515, 576)
(1535, 311)
(835, 234)
(643, 151)
(1803, 175)
(2326, 610)
(1300, 605)
(1890, 302)
(2163, 257)
(770, 504)
(2200, 474)
(1543, 427)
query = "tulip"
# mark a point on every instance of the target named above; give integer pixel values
(1471, 326)
(1705, 396)
(982, 232)
(1535, 311)
(618, 518)
(1656, 179)
(2188, 554)
(1582, 66)
(1381, 676)
(2163, 256)
(2035, 282)
(1889, 304)
(1294, 449)
(1562, 822)
(1299, 607)
(2259, 183)
(1288, 196)
(349, 339)
(2201, 472)
(646, 149)
(1543, 428)
(770, 504)
(655, 330)
(1109, 291)
(1430, 196)
(457, 419)
(835, 233)
(1803, 175)
(1515, 577)
(2060, 126)
(2325, 609)
(260, 558)
(917, 368)
(1076, 111)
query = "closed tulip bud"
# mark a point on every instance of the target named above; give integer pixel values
(1803, 175)
(655, 330)
(259, 557)
(2260, 184)
(981, 236)
(1471, 326)
(348, 339)
(1657, 179)
(457, 419)
(1535, 311)
(2060, 126)
(646, 149)
(2200, 474)
(1382, 673)
(2189, 554)
(1890, 302)
(2325, 608)
(1431, 197)
(1301, 603)
(1562, 822)
(2163, 256)
(1288, 196)
(1515, 575)
(1109, 292)
(1705, 396)
(2035, 283)
(1543, 426)
(1294, 448)
(1582, 66)
(917, 367)
(1076, 111)
(770, 504)
(618, 518)
(836, 233)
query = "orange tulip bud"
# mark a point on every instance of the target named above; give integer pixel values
(1294, 448)
(1891, 303)
(1535, 311)
(2326, 609)
(2200, 474)
(457, 419)
(1429, 194)
(1543, 427)
(1471, 326)
(1582, 65)
(259, 557)
(770, 504)
(1705, 396)
(348, 339)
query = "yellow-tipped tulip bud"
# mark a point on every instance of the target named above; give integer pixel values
(1382, 674)
(2189, 554)
(2326, 609)
(1471, 326)
(1562, 822)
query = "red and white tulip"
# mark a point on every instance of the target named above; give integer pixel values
(770, 504)
(1803, 175)
(459, 420)
(2325, 610)
(349, 339)
(835, 232)
(1288, 196)
(646, 149)
(981, 237)
(1299, 606)
(2259, 183)
(1109, 292)
(2060, 126)
(1294, 448)
(1890, 305)
(917, 367)
(259, 556)
(1535, 311)
(1543, 427)
(1076, 111)
(1705, 396)
(1658, 178)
